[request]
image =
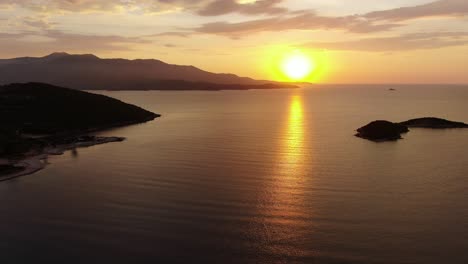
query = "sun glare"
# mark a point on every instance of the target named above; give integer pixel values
(297, 66)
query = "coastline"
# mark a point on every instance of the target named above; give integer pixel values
(36, 161)
(28, 165)
(32, 132)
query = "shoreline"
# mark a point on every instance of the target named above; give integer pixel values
(34, 162)
(28, 166)
(41, 120)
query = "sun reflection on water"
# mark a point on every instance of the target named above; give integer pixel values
(294, 138)
(282, 202)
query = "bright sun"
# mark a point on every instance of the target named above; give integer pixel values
(297, 66)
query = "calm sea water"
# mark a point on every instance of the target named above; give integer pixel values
(253, 177)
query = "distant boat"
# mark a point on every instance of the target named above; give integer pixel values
(391, 89)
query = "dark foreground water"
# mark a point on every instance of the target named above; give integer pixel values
(253, 177)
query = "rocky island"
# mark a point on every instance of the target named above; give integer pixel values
(382, 130)
(433, 122)
(40, 120)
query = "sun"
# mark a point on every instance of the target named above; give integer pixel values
(297, 66)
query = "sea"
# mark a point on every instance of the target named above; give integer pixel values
(259, 176)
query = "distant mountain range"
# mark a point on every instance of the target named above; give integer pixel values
(88, 72)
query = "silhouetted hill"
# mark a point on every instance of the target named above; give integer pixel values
(88, 72)
(42, 108)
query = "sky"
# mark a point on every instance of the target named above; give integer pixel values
(349, 41)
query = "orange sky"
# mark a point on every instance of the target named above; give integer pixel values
(366, 41)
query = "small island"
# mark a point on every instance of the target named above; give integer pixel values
(40, 120)
(434, 123)
(382, 130)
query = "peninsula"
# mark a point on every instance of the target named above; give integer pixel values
(40, 119)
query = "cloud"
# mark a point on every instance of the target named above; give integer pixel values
(272, 18)
(202, 7)
(300, 21)
(35, 23)
(437, 8)
(40, 22)
(26, 23)
(181, 34)
(278, 18)
(144, 6)
(366, 23)
(64, 5)
(28, 42)
(221, 7)
(415, 41)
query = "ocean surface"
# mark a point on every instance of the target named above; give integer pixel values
(253, 177)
